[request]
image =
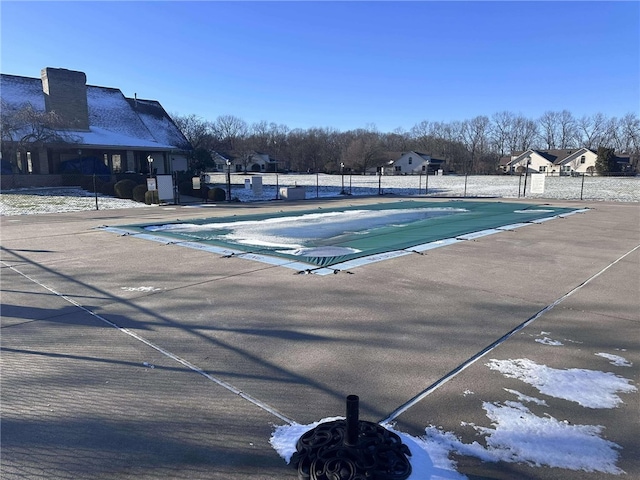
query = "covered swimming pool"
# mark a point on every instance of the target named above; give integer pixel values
(324, 240)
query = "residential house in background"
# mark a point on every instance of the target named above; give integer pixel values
(249, 162)
(57, 124)
(574, 161)
(408, 163)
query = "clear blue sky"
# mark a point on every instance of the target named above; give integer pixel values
(340, 64)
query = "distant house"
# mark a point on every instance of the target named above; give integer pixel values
(408, 163)
(57, 123)
(556, 162)
(250, 162)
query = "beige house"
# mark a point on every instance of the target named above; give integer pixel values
(553, 162)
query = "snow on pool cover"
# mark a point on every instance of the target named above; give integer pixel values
(347, 237)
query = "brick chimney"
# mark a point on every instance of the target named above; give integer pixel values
(65, 93)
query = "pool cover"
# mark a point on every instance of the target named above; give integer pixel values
(325, 237)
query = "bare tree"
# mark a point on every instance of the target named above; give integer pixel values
(24, 128)
(630, 132)
(195, 129)
(591, 130)
(228, 130)
(474, 135)
(549, 124)
(363, 151)
(567, 130)
(396, 141)
(502, 132)
(527, 132)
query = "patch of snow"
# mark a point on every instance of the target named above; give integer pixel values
(520, 436)
(467, 392)
(589, 388)
(548, 341)
(616, 360)
(141, 289)
(58, 200)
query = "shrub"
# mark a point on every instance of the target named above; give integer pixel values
(151, 197)
(124, 189)
(217, 194)
(139, 192)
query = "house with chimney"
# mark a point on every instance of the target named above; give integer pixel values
(58, 124)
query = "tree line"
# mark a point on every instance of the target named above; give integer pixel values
(469, 146)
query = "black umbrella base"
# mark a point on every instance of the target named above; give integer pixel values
(343, 450)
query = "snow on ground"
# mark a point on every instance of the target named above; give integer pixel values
(520, 436)
(516, 435)
(616, 360)
(621, 189)
(57, 200)
(589, 388)
(618, 189)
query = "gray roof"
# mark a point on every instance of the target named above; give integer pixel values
(114, 120)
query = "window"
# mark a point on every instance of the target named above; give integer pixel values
(116, 160)
(398, 168)
(543, 168)
(29, 163)
(583, 159)
(410, 160)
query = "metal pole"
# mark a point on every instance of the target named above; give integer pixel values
(229, 181)
(380, 182)
(526, 173)
(317, 185)
(342, 192)
(426, 183)
(277, 186)
(582, 187)
(352, 420)
(419, 182)
(465, 184)
(349, 181)
(519, 184)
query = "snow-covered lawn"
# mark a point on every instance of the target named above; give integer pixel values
(57, 200)
(617, 189)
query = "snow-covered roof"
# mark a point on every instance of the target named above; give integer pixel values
(114, 120)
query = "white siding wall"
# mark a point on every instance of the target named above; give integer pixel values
(537, 162)
(576, 164)
(409, 168)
